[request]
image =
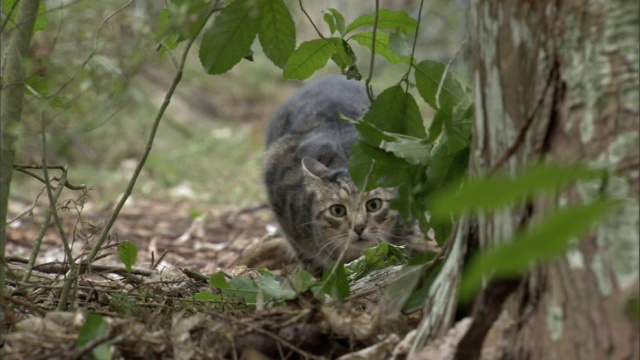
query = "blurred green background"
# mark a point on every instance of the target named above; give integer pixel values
(103, 62)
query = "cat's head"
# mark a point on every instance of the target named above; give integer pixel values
(345, 220)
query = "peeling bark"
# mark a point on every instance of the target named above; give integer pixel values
(558, 80)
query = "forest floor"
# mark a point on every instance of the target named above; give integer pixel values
(151, 312)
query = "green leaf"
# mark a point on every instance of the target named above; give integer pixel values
(301, 281)
(128, 254)
(331, 21)
(551, 237)
(395, 110)
(339, 20)
(271, 286)
(206, 296)
(242, 289)
(93, 328)
(389, 171)
(387, 20)
(219, 281)
(498, 191)
(399, 45)
(382, 46)
(41, 19)
(277, 32)
(375, 258)
(428, 79)
(334, 283)
(345, 58)
(229, 39)
(632, 309)
(11, 8)
(309, 57)
(414, 151)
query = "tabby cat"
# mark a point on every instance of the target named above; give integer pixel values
(324, 216)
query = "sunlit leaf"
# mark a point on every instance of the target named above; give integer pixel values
(309, 57)
(551, 237)
(277, 32)
(229, 39)
(331, 21)
(219, 281)
(339, 20)
(382, 46)
(206, 296)
(387, 20)
(128, 254)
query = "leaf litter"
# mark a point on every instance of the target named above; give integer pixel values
(157, 310)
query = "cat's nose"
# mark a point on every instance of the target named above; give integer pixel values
(359, 229)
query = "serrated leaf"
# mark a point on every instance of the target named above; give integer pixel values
(128, 254)
(229, 39)
(219, 281)
(498, 191)
(93, 328)
(551, 237)
(428, 77)
(396, 111)
(277, 33)
(339, 20)
(382, 46)
(387, 20)
(309, 57)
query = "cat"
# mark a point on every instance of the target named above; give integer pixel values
(323, 214)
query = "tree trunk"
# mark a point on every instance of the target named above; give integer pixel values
(558, 81)
(12, 94)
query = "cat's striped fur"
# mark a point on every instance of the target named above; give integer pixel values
(323, 215)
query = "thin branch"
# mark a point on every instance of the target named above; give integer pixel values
(373, 52)
(413, 47)
(65, 183)
(176, 80)
(70, 278)
(311, 21)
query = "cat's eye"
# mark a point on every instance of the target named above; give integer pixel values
(374, 205)
(338, 210)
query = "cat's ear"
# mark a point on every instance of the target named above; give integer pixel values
(314, 168)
